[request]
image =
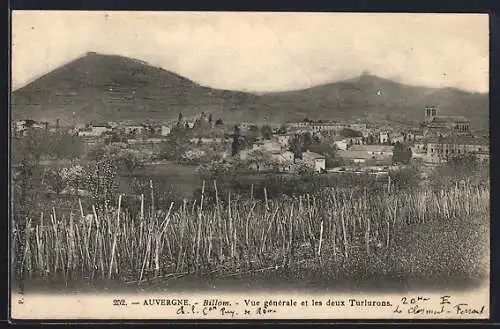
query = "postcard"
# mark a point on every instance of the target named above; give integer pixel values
(249, 165)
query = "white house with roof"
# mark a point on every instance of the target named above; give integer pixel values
(315, 160)
(342, 144)
(367, 153)
(165, 130)
(94, 130)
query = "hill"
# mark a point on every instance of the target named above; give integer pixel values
(107, 87)
(374, 99)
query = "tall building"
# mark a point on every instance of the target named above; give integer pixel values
(442, 149)
(438, 125)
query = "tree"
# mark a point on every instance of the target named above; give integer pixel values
(301, 168)
(350, 133)
(316, 139)
(258, 158)
(401, 153)
(75, 177)
(460, 168)
(266, 132)
(299, 143)
(282, 129)
(56, 179)
(296, 145)
(174, 146)
(130, 161)
(407, 178)
(100, 180)
(179, 120)
(308, 140)
(370, 140)
(329, 151)
(236, 144)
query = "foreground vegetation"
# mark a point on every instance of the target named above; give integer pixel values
(235, 237)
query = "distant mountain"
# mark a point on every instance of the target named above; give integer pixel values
(374, 99)
(103, 87)
(106, 87)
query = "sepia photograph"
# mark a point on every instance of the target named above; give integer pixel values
(248, 165)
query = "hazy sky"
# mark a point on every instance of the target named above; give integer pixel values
(263, 51)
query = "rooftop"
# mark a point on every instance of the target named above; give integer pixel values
(371, 148)
(313, 155)
(451, 118)
(461, 140)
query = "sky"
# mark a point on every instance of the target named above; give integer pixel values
(263, 52)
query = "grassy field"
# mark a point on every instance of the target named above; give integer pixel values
(412, 237)
(179, 177)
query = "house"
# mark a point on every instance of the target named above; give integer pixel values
(342, 144)
(377, 150)
(316, 126)
(413, 134)
(398, 138)
(368, 153)
(384, 138)
(134, 130)
(267, 145)
(315, 160)
(358, 126)
(112, 124)
(419, 150)
(22, 126)
(94, 130)
(354, 141)
(327, 127)
(441, 149)
(165, 130)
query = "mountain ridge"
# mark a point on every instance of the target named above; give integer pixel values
(112, 87)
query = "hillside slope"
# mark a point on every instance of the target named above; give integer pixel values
(375, 99)
(107, 87)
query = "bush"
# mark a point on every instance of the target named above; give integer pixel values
(460, 169)
(406, 178)
(401, 154)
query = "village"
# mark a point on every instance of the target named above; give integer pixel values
(359, 147)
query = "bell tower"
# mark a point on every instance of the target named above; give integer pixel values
(430, 113)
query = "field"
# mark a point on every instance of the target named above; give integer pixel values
(181, 178)
(332, 239)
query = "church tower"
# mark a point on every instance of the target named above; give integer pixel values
(430, 113)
